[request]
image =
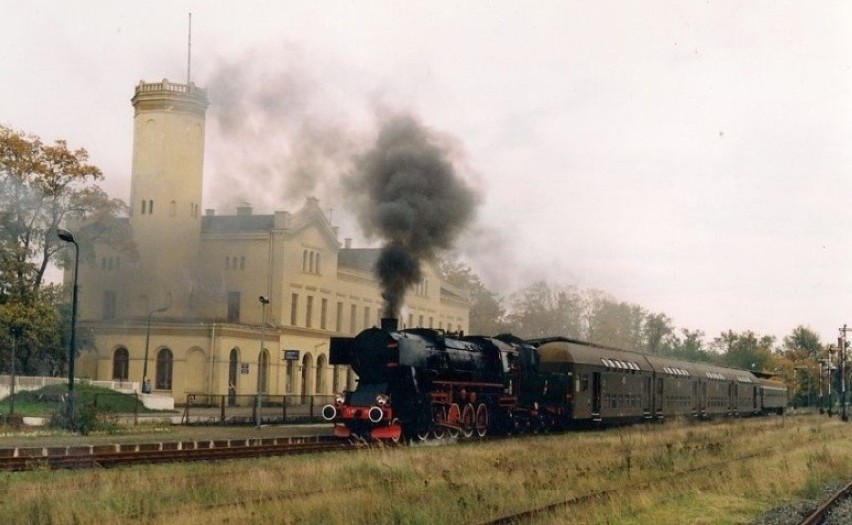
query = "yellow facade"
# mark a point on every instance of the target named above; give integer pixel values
(190, 300)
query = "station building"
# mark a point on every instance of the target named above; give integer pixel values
(188, 311)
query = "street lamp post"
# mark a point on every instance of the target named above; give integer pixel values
(67, 236)
(264, 301)
(16, 331)
(146, 385)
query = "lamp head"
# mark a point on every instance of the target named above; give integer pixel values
(65, 235)
(263, 299)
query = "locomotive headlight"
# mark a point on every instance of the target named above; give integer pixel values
(382, 400)
(339, 399)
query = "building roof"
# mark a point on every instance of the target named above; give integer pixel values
(363, 259)
(236, 223)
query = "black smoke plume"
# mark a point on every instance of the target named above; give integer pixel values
(405, 190)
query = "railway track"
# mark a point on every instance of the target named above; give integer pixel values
(123, 455)
(536, 512)
(823, 513)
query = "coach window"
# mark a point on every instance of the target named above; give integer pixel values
(120, 364)
(165, 361)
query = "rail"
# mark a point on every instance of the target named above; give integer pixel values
(819, 515)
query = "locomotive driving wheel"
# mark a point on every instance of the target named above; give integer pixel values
(481, 420)
(439, 417)
(453, 420)
(467, 420)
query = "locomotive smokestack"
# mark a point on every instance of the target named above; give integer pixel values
(408, 193)
(390, 324)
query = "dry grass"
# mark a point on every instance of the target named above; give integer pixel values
(719, 472)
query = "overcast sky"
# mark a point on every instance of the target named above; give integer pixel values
(691, 157)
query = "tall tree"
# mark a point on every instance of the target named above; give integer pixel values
(613, 323)
(802, 343)
(487, 314)
(41, 187)
(690, 346)
(545, 310)
(746, 350)
(658, 334)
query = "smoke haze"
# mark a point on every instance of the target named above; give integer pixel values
(286, 125)
(406, 191)
(279, 133)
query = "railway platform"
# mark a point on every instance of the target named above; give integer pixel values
(36, 443)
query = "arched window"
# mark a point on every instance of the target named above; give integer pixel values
(307, 363)
(320, 381)
(262, 370)
(120, 364)
(165, 361)
(311, 264)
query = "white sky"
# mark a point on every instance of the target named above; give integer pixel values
(691, 157)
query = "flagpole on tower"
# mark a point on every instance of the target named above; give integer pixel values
(189, 52)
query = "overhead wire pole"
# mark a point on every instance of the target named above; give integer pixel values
(841, 341)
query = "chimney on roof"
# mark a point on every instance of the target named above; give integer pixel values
(244, 209)
(347, 243)
(209, 212)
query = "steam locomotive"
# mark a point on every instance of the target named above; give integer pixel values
(419, 383)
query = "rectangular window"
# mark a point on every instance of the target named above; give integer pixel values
(338, 322)
(233, 307)
(410, 320)
(323, 314)
(294, 308)
(109, 305)
(431, 322)
(309, 311)
(420, 321)
(353, 315)
(366, 317)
